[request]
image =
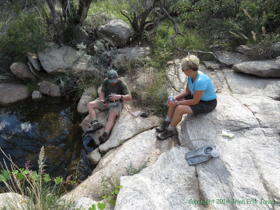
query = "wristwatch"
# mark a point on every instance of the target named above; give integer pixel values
(121, 97)
(178, 103)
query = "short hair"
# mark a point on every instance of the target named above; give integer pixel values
(190, 62)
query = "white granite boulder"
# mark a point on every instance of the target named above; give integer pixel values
(116, 32)
(267, 68)
(135, 152)
(126, 127)
(130, 57)
(246, 171)
(88, 95)
(22, 72)
(58, 59)
(49, 89)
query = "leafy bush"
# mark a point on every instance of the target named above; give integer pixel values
(24, 35)
(218, 18)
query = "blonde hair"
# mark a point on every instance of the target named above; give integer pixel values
(190, 62)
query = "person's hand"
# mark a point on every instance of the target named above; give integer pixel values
(173, 103)
(115, 97)
(103, 102)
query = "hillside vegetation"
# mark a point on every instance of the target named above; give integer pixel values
(194, 24)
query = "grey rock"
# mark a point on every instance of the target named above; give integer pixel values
(94, 156)
(129, 57)
(83, 203)
(229, 58)
(177, 78)
(33, 71)
(60, 59)
(49, 89)
(88, 95)
(22, 72)
(80, 36)
(276, 48)
(116, 32)
(36, 95)
(168, 184)
(134, 153)
(33, 59)
(83, 68)
(12, 93)
(239, 83)
(211, 65)
(264, 109)
(57, 59)
(86, 203)
(243, 158)
(122, 132)
(268, 68)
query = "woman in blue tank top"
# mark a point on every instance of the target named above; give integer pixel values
(198, 97)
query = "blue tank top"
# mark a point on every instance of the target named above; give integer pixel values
(202, 82)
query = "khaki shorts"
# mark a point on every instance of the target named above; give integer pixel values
(116, 109)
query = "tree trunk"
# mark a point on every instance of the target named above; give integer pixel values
(52, 9)
(83, 10)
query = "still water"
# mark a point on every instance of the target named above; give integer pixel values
(52, 123)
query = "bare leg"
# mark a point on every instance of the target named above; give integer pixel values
(91, 106)
(171, 109)
(179, 111)
(110, 122)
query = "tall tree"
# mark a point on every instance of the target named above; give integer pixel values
(83, 10)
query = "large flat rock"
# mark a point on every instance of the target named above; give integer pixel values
(246, 171)
(134, 152)
(168, 184)
(267, 68)
(243, 170)
(245, 84)
(12, 93)
(126, 127)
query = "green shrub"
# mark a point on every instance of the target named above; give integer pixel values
(219, 18)
(37, 189)
(25, 34)
(32, 86)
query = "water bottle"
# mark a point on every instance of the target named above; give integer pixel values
(170, 98)
(215, 153)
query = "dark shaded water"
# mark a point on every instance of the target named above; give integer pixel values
(52, 123)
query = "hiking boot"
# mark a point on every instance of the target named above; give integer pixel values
(162, 127)
(103, 138)
(94, 127)
(166, 134)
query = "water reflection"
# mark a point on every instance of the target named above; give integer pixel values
(52, 123)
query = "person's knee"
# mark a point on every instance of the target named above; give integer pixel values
(112, 116)
(92, 105)
(181, 109)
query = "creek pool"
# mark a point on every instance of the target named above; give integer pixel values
(52, 123)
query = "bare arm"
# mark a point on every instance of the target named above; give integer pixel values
(102, 96)
(127, 97)
(183, 94)
(196, 98)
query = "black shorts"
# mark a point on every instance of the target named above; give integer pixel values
(202, 106)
